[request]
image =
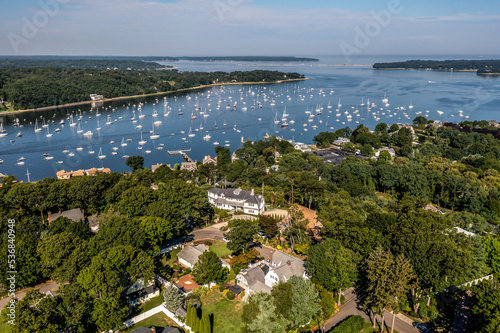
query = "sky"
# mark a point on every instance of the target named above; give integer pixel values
(249, 27)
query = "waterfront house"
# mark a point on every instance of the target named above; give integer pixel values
(341, 141)
(236, 199)
(209, 159)
(389, 150)
(189, 166)
(96, 97)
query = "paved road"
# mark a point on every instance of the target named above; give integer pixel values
(48, 286)
(350, 308)
(462, 316)
(211, 232)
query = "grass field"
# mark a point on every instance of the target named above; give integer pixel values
(227, 314)
(220, 249)
(159, 320)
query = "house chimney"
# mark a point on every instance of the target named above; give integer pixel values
(253, 192)
(49, 214)
(271, 257)
(153, 329)
(289, 263)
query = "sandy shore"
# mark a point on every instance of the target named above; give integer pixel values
(54, 107)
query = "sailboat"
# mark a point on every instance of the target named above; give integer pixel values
(71, 122)
(154, 136)
(142, 142)
(48, 135)
(100, 155)
(98, 127)
(37, 129)
(124, 144)
(79, 130)
(191, 135)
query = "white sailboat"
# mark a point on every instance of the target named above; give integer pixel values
(48, 135)
(71, 122)
(142, 142)
(190, 134)
(101, 155)
(124, 144)
(37, 129)
(98, 127)
(154, 136)
(79, 130)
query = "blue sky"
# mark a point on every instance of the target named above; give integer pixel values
(249, 27)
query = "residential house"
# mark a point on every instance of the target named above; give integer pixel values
(237, 199)
(95, 171)
(262, 276)
(156, 166)
(389, 150)
(209, 159)
(75, 215)
(188, 256)
(96, 97)
(340, 141)
(189, 166)
(300, 146)
(140, 292)
(234, 157)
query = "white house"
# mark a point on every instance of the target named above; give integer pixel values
(340, 141)
(389, 150)
(236, 199)
(261, 277)
(140, 292)
(188, 256)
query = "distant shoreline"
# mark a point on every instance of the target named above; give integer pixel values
(54, 107)
(429, 69)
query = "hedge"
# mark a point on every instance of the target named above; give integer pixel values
(352, 324)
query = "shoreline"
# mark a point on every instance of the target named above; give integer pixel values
(429, 69)
(104, 100)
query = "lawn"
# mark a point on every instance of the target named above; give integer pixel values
(220, 249)
(153, 303)
(159, 320)
(227, 314)
(172, 257)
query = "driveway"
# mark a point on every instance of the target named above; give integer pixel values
(48, 286)
(211, 232)
(351, 308)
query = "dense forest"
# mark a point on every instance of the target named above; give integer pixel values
(79, 63)
(481, 66)
(28, 88)
(377, 233)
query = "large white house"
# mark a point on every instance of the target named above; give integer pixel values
(262, 276)
(236, 199)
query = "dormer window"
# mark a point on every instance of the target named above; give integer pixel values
(237, 191)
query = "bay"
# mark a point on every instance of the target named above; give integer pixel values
(334, 80)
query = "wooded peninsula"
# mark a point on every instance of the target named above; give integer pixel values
(484, 67)
(36, 87)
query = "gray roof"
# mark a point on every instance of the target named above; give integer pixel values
(255, 277)
(181, 312)
(74, 215)
(286, 265)
(170, 329)
(191, 253)
(142, 293)
(236, 194)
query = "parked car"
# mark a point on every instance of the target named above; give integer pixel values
(261, 234)
(422, 327)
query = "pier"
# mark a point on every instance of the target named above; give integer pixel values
(182, 153)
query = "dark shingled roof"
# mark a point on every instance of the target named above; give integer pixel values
(74, 215)
(236, 289)
(141, 330)
(236, 194)
(143, 292)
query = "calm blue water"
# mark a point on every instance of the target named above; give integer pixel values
(457, 96)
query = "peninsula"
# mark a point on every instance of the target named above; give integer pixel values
(39, 87)
(485, 67)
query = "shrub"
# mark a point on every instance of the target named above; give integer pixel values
(225, 292)
(221, 288)
(208, 243)
(230, 295)
(353, 324)
(196, 243)
(342, 299)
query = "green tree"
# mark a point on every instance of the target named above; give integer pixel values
(260, 315)
(208, 269)
(240, 235)
(305, 301)
(206, 326)
(269, 225)
(38, 313)
(485, 307)
(173, 298)
(63, 256)
(158, 231)
(332, 266)
(133, 201)
(493, 253)
(135, 162)
(419, 121)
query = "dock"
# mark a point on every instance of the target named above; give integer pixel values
(182, 153)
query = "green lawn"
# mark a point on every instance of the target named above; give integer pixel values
(227, 314)
(153, 303)
(6, 328)
(159, 320)
(220, 249)
(172, 259)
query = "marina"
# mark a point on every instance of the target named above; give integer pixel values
(332, 98)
